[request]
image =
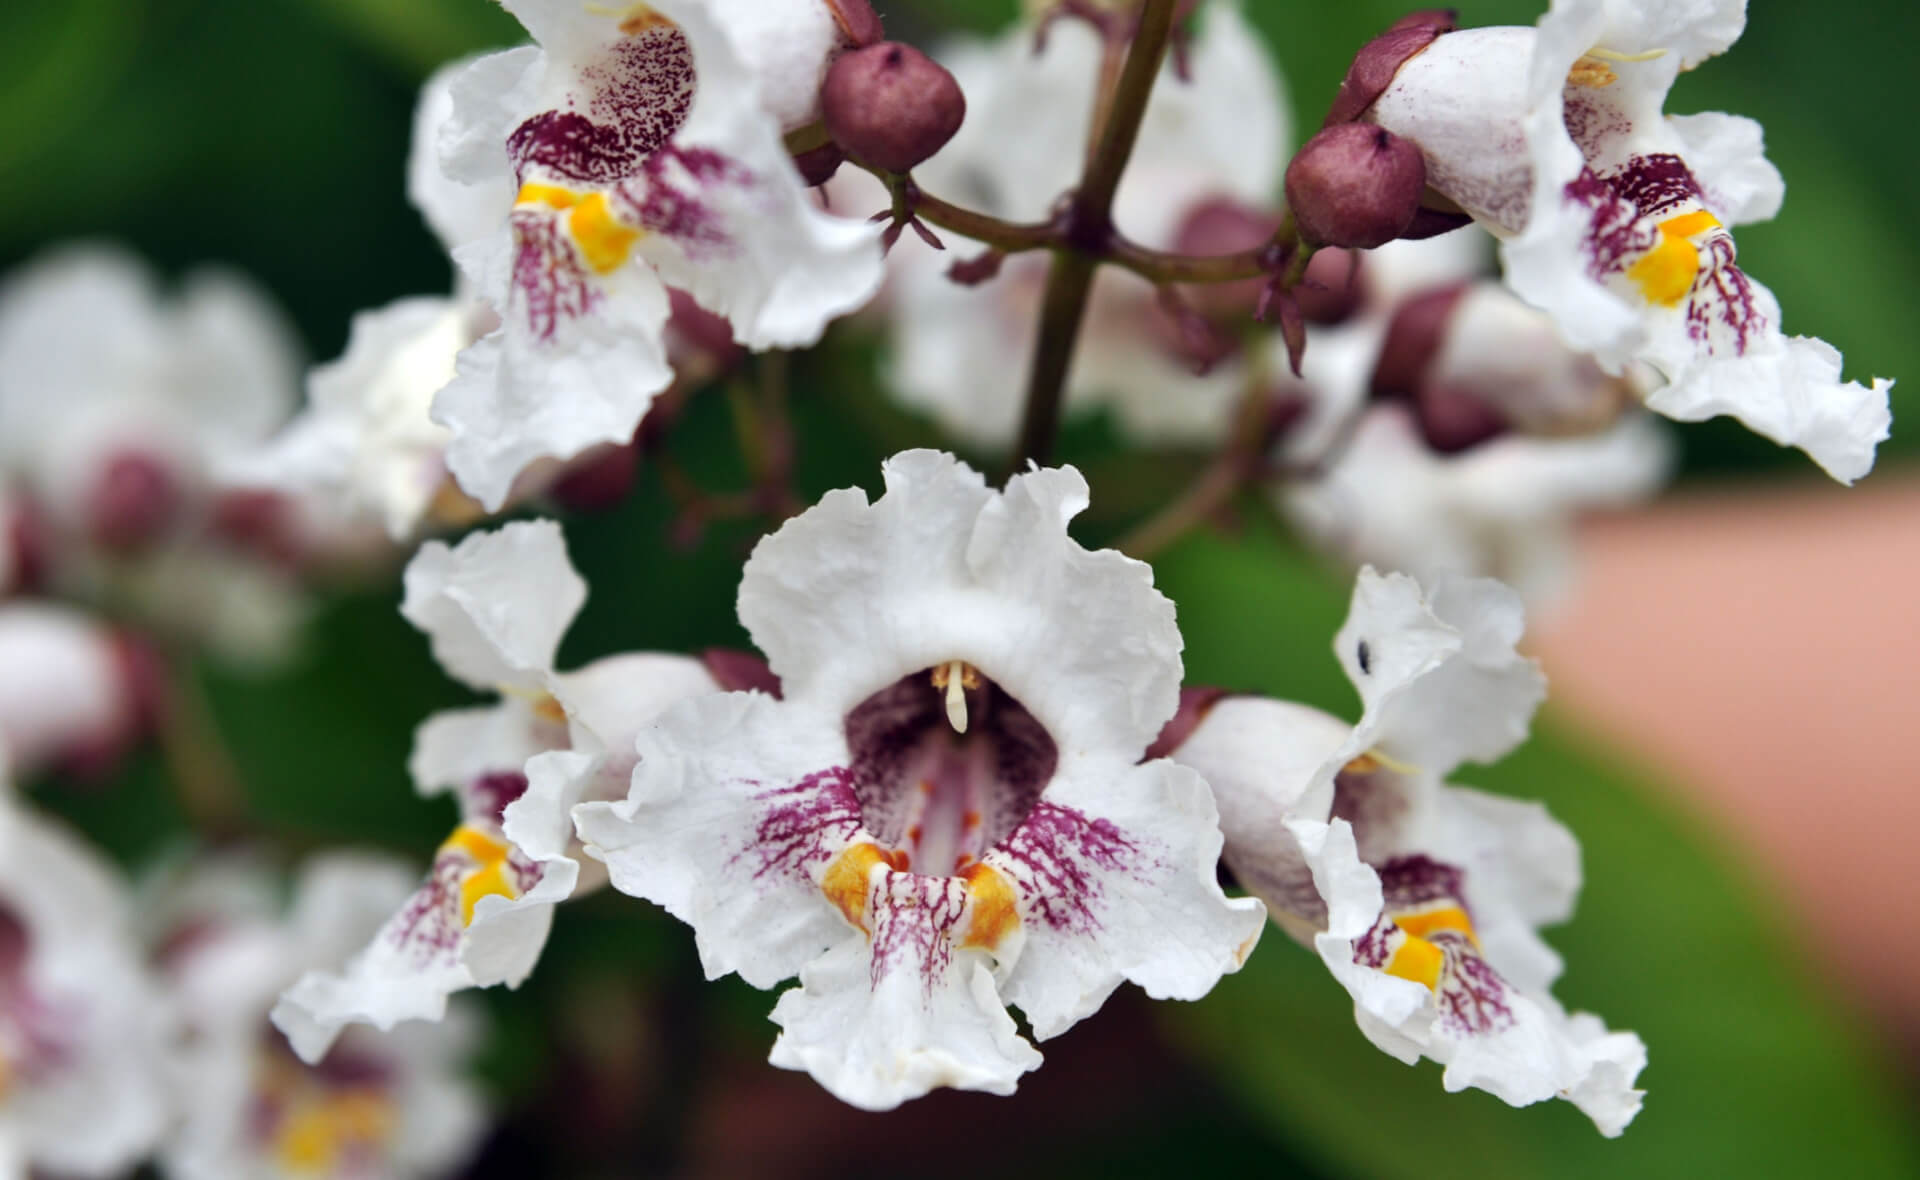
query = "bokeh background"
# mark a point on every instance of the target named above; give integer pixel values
(1736, 676)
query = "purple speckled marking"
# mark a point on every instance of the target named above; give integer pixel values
(1377, 807)
(1590, 124)
(488, 796)
(667, 198)
(914, 919)
(806, 824)
(1626, 207)
(1408, 882)
(552, 283)
(638, 96)
(1058, 855)
(1471, 996)
(429, 926)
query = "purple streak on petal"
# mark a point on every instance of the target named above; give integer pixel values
(548, 276)
(487, 797)
(1471, 994)
(1410, 881)
(639, 95)
(806, 824)
(669, 198)
(913, 921)
(1723, 297)
(1058, 857)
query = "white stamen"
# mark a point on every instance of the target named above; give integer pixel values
(1615, 55)
(957, 696)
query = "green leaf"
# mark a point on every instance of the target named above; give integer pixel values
(1757, 1068)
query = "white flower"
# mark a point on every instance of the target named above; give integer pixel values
(1422, 898)
(1617, 217)
(119, 409)
(961, 353)
(71, 688)
(644, 146)
(1504, 508)
(945, 812)
(373, 1106)
(82, 1026)
(494, 608)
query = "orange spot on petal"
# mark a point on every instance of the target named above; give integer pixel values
(850, 874)
(995, 912)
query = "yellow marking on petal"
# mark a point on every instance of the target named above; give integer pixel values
(477, 844)
(1418, 960)
(490, 881)
(1427, 923)
(320, 1129)
(534, 193)
(490, 878)
(1666, 273)
(548, 708)
(1373, 760)
(846, 879)
(996, 913)
(604, 240)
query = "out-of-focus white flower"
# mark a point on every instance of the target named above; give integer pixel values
(119, 408)
(1504, 508)
(644, 148)
(1423, 898)
(1616, 216)
(945, 812)
(72, 689)
(962, 352)
(248, 1110)
(494, 608)
(82, 1026)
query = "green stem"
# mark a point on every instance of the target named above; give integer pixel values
(1088, 230)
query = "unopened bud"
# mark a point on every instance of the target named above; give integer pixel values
(857, 20)
(1329, 292)
(738, 671)
(890, 105)
(1222, 225)
(1355, 185)
(818, 166)
(1374, 67)
(133, 501)
(1196, 701)
(1414, 336)
(1453, 419)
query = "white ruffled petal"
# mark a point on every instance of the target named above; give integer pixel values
(1728, 156)
(737, 804)
(1115, 872)
(455, 747)
(495, 606)
(1439, 674)
(879, 1027)
(458, 212)
(850, 596)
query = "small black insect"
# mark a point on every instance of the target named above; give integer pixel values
(1366, 658)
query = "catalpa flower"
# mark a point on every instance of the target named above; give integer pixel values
(75, 692)
(644, 148)
(1617, 217)
(945, 811)
(1218, 135)
(494, 608)
(82, 1026)
(1504, 508)
(371, 1106)
(1423, 898)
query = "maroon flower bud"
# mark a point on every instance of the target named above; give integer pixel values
(699, 343)
(1380, 59)
(818, 166)
(890, 105)
(133, 501)
(1453, 419)
(1196, 700)
(1355, 185)
(737, 671)
(1330, 290)
(25, 535)
(598, 480)
(258, 521)
(14, 939)
(1222, 225)
(857, 20)
(1414, 335)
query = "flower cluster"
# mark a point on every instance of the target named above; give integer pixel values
(964, 774)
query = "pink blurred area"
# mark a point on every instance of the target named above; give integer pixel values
(1762, 648)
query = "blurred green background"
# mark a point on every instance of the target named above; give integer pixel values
(271, 136)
